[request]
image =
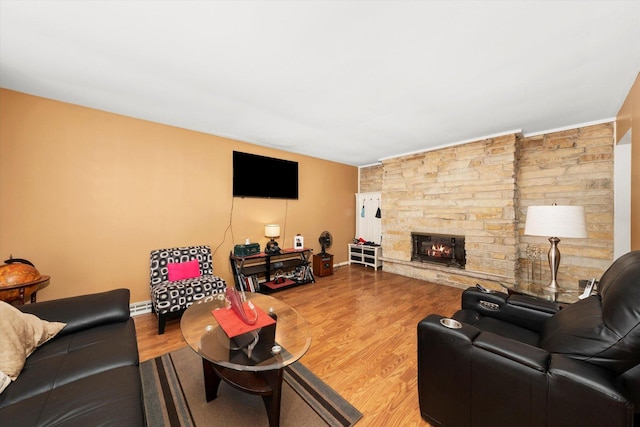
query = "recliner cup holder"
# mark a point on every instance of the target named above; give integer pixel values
(450, 323)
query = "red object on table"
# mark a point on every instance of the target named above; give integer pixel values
(233, 325)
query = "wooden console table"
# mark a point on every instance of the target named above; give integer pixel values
(20, 292)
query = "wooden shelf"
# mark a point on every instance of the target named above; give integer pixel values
(287, 283)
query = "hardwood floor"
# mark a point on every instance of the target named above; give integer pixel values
(363, 329)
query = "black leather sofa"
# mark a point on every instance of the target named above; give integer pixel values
(517, 360)
(85, 376)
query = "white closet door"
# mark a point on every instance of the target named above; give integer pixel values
(368, 225)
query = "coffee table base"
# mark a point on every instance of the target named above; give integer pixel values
(267, 384)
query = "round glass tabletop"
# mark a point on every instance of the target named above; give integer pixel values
(259, 350)
(537, 289)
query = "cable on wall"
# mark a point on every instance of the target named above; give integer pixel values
(229, 227)
(286, 215)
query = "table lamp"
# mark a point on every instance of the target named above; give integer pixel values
(272, 230)
(556, 221)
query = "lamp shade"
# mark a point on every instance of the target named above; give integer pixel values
(556, 221)
(272, 230)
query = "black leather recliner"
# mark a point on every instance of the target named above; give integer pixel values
(517, 360)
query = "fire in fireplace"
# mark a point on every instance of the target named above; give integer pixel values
(439, 248)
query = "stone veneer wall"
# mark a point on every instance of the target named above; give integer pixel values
(572, 167)
(466, 190)
(482, 189)
(370, 179)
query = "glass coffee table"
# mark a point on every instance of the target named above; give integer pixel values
(252, 362)
(539, 290)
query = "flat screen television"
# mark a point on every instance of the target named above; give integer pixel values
(264, 177)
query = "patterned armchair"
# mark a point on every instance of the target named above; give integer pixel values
(180, 276)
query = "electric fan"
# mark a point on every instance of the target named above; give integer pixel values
(325, 241)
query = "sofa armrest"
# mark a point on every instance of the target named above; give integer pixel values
(85, 311)
(471, 298)
(533, 303)
(530, 312)
(460, 371)
(522, 310)
(631, 381)
(516, 351)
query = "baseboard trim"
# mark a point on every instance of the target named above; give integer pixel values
(141, 307)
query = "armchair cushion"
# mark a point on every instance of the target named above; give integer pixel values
(174, 296)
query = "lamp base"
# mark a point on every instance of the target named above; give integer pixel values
(272, 247)
(554, 263)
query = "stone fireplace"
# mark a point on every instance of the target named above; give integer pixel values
(481, 190)
(467, 193)
(444, 249)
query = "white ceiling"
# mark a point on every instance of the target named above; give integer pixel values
(348, 81)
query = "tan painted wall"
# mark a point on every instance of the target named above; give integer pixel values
(629, 118)
(86, 194)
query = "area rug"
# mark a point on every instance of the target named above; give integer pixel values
(173, 388)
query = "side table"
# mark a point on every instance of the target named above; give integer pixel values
(22, 291)
(323, 264)
(537, 289)
(231, 360)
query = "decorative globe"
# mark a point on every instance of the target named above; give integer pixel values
(17, 273)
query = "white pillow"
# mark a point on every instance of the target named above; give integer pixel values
(20, 334)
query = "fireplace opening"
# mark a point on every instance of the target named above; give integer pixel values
(443, 249)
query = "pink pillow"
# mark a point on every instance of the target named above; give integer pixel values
(183, 270)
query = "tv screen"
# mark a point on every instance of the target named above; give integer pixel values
(264, 177)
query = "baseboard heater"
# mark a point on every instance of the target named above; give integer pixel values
(141, 307)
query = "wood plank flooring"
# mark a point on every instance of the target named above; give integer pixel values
(363, 331)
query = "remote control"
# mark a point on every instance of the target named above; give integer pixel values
(481, 288)
(588, 289)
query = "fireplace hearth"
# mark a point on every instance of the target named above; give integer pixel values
(443, 249)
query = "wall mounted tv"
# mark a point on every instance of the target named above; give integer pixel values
(264, 177)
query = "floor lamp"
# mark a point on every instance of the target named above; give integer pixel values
(556, 221)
